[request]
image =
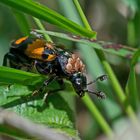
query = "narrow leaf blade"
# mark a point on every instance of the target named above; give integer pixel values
(131, 86)
(107, 47)
(42, 12)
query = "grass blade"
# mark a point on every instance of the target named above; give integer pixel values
(11, 76)
(100, 119)
(56, 112)
(41, 27)
(82, 47)
(22, 22)
(107, 47)
(131, 88)
(43, 12)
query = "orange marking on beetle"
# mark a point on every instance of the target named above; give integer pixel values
(35, 49)
(21, 40)
(37, 53)
(51, 57)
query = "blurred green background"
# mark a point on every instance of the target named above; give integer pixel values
(113, 20)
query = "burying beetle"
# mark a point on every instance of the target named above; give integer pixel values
(28, 53)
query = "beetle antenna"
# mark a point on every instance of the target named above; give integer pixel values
(101, 78)
(99, 94)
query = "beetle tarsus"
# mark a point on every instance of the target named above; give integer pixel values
(102, 77)
(99, 94)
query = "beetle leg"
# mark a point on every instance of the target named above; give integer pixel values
(5, 60)
(99, 94)
(8, 56)
(11, 60)
(46, 82)
(60, 82)
(44, 85)
(62, 86)
(16, 61)
(45, 96)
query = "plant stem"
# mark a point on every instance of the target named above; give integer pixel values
(131, 33)
(86, 99)
(99, 118)
(41, 27)
(120, 93)
(82, 15)
(112, 77)
(115, 84)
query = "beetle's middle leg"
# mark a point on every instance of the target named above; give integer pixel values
(44, 85)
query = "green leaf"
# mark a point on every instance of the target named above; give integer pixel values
(22, 22)
(40, 26)
(108, 47)
(131, 88)
(135, 58)
(11, 76)
(57, 111)
(42, 12)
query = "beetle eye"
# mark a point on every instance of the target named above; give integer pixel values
(78, 81)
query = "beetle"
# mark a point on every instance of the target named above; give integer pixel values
(49, 59)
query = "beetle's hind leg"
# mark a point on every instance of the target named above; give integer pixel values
(8, 57)
(12, 61)
(5, 59)
(17, 61)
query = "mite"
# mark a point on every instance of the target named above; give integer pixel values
(48, 59)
